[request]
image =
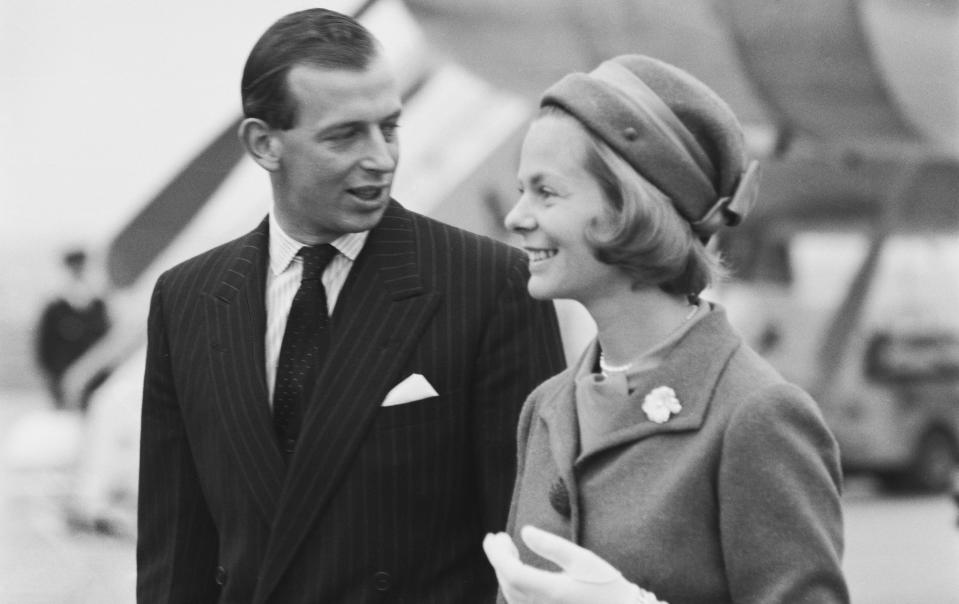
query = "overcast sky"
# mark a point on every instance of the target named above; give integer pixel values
(101, 101)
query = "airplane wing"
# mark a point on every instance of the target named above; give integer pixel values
(846, 100)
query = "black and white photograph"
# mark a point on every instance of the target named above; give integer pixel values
(479, 302)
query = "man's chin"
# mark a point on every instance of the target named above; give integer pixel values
(366, 220)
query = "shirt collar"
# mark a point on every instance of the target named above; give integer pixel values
(283, 247)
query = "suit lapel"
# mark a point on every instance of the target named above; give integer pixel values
(382, 311)
(237, 317)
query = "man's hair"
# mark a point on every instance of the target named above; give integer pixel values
(644, 235)
(316, 37)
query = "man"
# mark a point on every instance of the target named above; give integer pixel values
(373, 468)
(69, 326)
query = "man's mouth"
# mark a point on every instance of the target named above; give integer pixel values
(540, 254)
(367, 193)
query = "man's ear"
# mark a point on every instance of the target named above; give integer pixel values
(261, 143)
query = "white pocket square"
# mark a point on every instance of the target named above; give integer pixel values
(413, 388)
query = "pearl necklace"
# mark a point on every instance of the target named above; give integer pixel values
(607, 368)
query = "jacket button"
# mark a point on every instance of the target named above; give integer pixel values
(381, 581)
(289, 445)
(559, 498)
(220, 576)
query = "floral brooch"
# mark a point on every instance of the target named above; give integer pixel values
(660, 404)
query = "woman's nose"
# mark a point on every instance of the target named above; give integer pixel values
(519, 220)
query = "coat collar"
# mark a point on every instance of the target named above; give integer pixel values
(691, 369)
(284, 248)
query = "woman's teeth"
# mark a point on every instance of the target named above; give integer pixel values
(540, 255)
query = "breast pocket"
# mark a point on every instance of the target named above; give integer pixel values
(441, 408)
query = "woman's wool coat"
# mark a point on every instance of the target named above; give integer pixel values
(734, 499)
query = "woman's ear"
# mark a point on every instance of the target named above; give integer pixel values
(261, 143)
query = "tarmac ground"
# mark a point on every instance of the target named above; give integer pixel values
(899, 550)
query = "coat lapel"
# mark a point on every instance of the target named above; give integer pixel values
(237, 317)
(691, 369)
(562, 427)
(382, 311)
(562, 430)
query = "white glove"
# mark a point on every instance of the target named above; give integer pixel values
(585, 578)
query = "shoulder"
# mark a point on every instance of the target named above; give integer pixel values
(436, 236)
(460, 258)
(196, 271)
(555, 385)
(753, 382)
(747, 373)
(751, 404)
(769, 415)
(719, 365)
(558, 385)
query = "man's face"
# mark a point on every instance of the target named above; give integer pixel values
(336, 164)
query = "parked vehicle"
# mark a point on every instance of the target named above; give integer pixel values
(869, 328)
(900, 419)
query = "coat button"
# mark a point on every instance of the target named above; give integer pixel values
(289, 445)
(382, 581)
(220, 576)
(559, 498)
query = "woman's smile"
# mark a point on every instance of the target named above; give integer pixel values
(539, 255)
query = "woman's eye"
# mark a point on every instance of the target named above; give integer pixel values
(538, 192)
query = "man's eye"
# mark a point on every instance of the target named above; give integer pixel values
(341, 135)
(389, 130)
(546, 192)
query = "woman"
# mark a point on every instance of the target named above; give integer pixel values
(671, 450)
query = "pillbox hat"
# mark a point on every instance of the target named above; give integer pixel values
(672, 129)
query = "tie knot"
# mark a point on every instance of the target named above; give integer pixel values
(315, 259)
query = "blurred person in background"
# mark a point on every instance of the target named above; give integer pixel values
(68, 326)
(671, 461)
(290, 456)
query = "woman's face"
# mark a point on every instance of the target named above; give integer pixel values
(559, 200)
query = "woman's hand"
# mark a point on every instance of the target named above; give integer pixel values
(585, 577)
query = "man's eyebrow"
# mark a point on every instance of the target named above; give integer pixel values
(395, 116)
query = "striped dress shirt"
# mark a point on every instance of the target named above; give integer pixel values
(283, 280)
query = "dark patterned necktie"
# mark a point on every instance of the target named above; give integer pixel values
(305, 345)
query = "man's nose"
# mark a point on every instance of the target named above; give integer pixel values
(381, 154)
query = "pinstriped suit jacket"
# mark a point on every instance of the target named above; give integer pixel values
(378, 504)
